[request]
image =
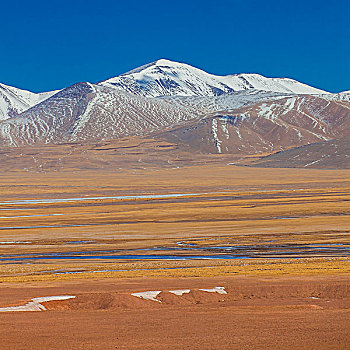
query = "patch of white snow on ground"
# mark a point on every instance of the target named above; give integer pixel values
(150, 295)
(180, 291)
(220, 290)
(35, 304)
(215, 134)
(316, 161)
(53, 298)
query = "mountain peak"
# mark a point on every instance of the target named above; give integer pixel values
(158, 63)
(14, 101)
(166, 62)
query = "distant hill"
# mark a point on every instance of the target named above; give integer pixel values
(334, 154)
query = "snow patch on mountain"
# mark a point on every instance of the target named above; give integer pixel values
(341, 96)
(226, 102)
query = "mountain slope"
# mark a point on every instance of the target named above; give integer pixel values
(266, 127)
(246, 122)
(14, 101)
(87, 111)
(90, 112)
(168, 78)
(207, 105)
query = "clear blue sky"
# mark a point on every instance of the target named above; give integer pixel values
(48, 45)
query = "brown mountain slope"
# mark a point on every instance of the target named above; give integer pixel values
(266, 127)
(333, 154)
(85, 112)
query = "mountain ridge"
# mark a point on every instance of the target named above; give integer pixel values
(168, 78)
(14, 101)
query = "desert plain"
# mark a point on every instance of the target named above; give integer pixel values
(227, 256)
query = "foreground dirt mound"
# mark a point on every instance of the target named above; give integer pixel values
(110, 301)
(304, 295)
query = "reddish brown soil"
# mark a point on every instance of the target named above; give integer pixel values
(257, 313)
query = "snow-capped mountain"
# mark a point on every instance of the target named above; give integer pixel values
(14, 101)
(165, 78)
(168, 78)
(244, 114)
(247, 122)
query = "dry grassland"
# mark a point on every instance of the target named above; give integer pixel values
(219, 204)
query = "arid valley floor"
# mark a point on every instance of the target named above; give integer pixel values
(133, 216)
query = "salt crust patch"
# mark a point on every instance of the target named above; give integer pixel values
(220, 290)
(150, 295)
(35, 304)
(180, 291)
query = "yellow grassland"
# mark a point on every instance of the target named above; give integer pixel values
(240, 267)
